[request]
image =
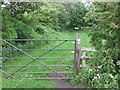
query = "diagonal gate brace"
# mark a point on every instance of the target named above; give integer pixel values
(7, 74)
(35, 59)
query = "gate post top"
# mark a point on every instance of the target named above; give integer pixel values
(78, 41)
(78, 37)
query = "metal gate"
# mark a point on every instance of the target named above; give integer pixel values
(76, 59)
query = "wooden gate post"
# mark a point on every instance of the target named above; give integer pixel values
(77, 54)
(84, 59)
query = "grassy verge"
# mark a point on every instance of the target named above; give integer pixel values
(45, 83)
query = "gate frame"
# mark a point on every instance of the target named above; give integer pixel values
(76, 57)
(35, 59)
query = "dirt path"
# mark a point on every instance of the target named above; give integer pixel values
(61, 83)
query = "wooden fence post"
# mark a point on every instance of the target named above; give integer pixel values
(77, 54)
(84, 59)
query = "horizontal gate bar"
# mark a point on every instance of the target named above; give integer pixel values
(33, 65)
(88, 49)
(39, 72)
(38, 39)
(45, 78)
(42, 58)
(51, 58)
(83, 49)
(32, 49)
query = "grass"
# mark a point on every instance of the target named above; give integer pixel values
(45, 83)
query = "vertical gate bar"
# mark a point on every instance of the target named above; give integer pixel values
(77, 56)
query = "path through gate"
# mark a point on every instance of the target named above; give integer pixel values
(62, 75)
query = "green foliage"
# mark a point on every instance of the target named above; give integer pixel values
(23, 20)
(46, 14)
(76, 13)
(63, 17)
(46, 31)
(18, 18)
(8, 30)
(18, 8)
(103, 21)
(13, 28)
(18, 24)
(105, 34)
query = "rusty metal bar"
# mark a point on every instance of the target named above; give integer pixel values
(44, 78)
(37, 39)
(31, 49)
(37, 72)
(82, 49)
(41, 58)
(35, 65)
(50, 58)
(34, 59)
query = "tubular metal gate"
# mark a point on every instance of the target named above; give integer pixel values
(76, 58)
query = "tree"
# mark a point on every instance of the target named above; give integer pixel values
(76, 13)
